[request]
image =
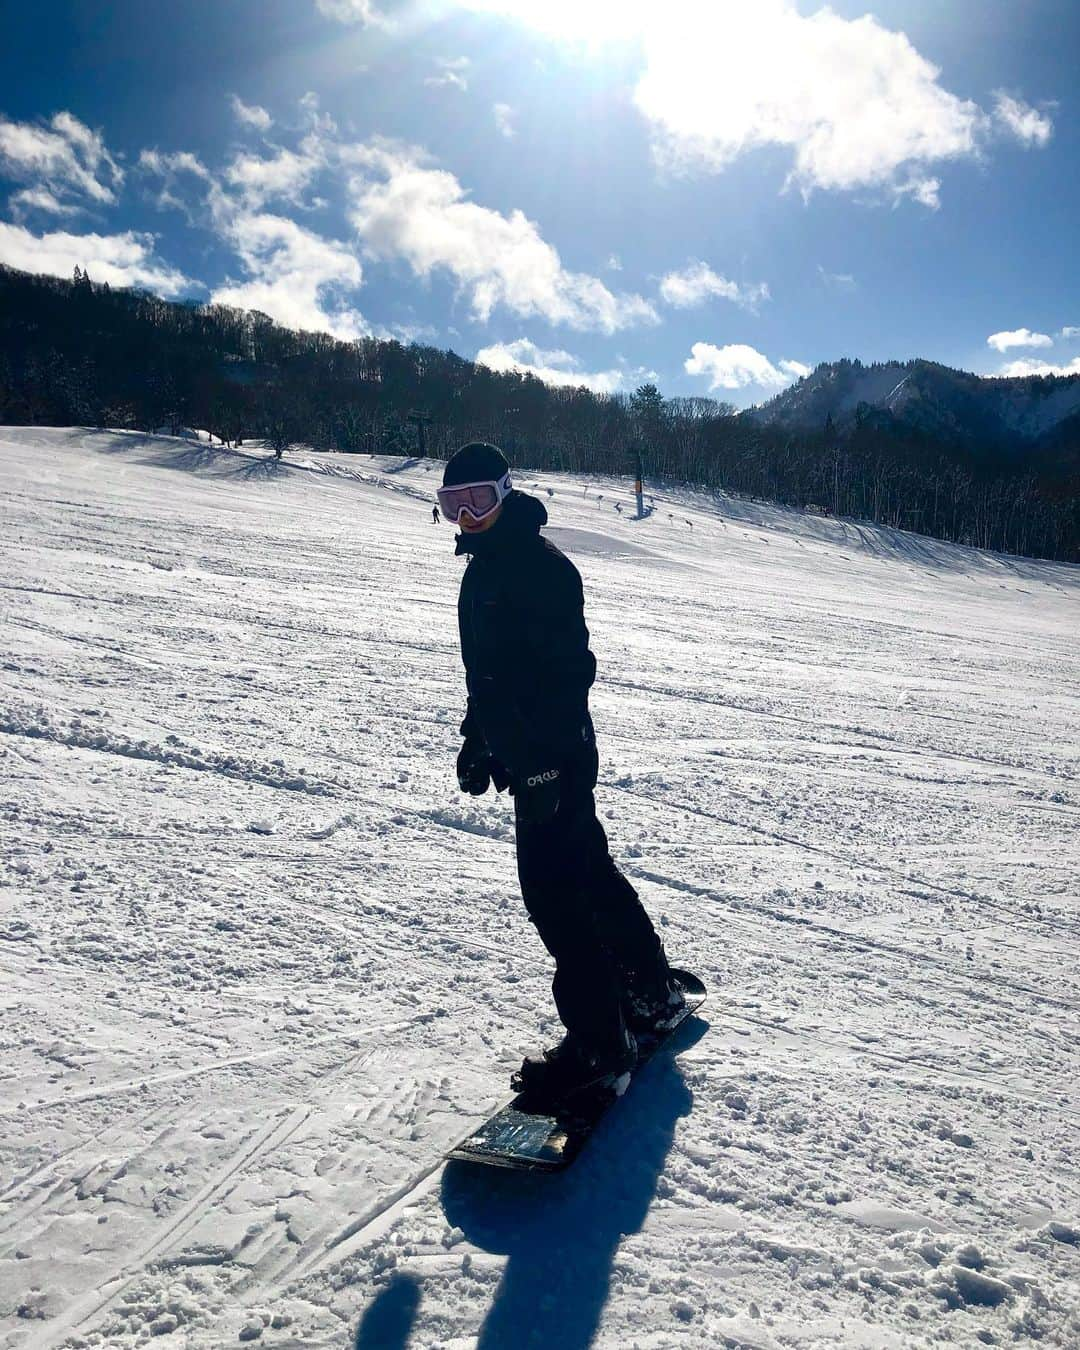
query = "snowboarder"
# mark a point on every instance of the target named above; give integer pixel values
(435, 515)
(528, 669)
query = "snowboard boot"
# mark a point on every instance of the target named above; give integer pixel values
(653, 1008)
(570, 1067)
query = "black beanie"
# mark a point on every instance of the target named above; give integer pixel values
(477, 462)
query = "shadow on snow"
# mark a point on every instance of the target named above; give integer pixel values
(388, 1320)
(561, 1232)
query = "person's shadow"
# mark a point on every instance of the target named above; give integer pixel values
(561, 1232)
(388, 1319)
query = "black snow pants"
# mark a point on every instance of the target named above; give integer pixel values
(585, 910)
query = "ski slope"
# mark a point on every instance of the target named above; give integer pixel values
(261, 964)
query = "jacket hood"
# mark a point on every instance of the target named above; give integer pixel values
(521, 518)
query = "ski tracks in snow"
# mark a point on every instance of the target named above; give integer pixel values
(240, 1224)
(243, 1024)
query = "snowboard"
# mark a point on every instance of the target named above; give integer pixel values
(533, 1141)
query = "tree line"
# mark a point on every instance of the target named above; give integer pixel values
(78, 353)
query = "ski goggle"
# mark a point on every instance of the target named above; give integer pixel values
(479, 499)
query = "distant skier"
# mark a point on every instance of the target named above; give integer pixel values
(528, 669)
(435, 515)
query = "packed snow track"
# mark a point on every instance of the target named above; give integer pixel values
(261, 964)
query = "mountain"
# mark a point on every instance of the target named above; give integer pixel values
(931, 400)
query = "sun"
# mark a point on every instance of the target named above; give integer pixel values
(688, 23)
(591, 21)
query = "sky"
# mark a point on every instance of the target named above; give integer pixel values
(715, 196)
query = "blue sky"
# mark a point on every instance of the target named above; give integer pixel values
(717, 195)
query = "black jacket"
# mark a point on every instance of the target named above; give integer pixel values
(524, 643)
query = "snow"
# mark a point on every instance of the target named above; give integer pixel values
(261, 964)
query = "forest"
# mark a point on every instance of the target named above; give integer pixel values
(73, 352)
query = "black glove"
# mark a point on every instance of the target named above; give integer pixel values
(499, 776)
(473, 769)
(537, 795)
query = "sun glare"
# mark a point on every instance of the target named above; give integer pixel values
(682, 23)
(592, 21)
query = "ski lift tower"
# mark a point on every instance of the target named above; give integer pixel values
(420, 420)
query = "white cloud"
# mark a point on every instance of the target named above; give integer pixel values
(836, 278)
(553, 367)
(250, 114)
(296, 276)
(925, 191)
(504, 120)
(403, 208)
(180, 162)
(843, 280)
(1068, 332)
(738, 366)
(1020, 119)
(120, 259)
(449, 79)
(452, 73)
(40, 199)
(64, 158)
(1018, 337)
(855, 103)
(1034, 366)
(283, 174)
(173, 170)
(319, 123)
(697, 283)
(172, 165)
(349, 11)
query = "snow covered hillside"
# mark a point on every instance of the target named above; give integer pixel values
(261, 964)
(942, 402)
